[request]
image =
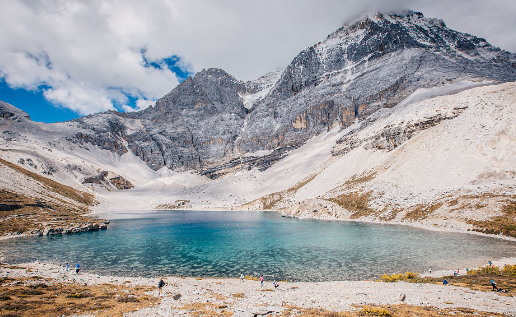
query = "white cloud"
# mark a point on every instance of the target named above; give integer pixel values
(89, 53)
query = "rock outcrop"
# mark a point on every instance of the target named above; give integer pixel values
(109, 180)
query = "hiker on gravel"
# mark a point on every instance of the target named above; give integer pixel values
(494, 285)
(242, 277)
(77, 268)
(67, 266)
(161, 283)
(261, 280)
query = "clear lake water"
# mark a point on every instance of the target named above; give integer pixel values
(226, 243)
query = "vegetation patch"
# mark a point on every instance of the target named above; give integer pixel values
(66, 191)
(374, 311)
(391, 215)
(476, 279)
(356, 202)
(359, 179)
(506, 270)
(45, 297)
(399, 310)
(420, 212)
(33, 215)
(270, 202)
(399, 277)
(504, 224)
(22, 214)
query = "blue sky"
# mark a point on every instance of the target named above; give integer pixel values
(63, 59)
(40, 109)
(35, 104)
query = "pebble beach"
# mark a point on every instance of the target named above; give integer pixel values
(249, 298)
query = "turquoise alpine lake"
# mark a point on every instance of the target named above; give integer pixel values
(228, 243)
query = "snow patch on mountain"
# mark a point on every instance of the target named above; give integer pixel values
(259, 88)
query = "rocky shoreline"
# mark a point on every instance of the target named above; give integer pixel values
(223, 296)
(56, 230)
(50, 231)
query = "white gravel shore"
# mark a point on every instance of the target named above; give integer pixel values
(254, 299)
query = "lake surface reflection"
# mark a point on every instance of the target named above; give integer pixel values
(223, 244)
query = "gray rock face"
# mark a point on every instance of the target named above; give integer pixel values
(361, 68)
(10, 112)
(209, 122)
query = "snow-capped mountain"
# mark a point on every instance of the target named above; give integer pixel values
(376, 114)
(375, 63)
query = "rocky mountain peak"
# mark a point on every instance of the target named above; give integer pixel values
(380, 34)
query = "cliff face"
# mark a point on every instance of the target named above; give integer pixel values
(372, 64)
(209, 122)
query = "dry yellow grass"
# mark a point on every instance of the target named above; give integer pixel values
(270, 202)
(399, 310)
(478, 279)
(356, 202)
(67, 191)
(22, 214)
(45, 297)
(421, 212)
(504, 224)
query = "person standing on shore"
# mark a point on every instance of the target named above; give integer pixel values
(77, 268)
(261, 280)
(242, 277)
(161, 283)
(430, 271)
(67, 266)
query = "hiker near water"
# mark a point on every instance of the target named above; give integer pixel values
(77, 268)
(261, 280)
(494, 285)
(161, 283)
